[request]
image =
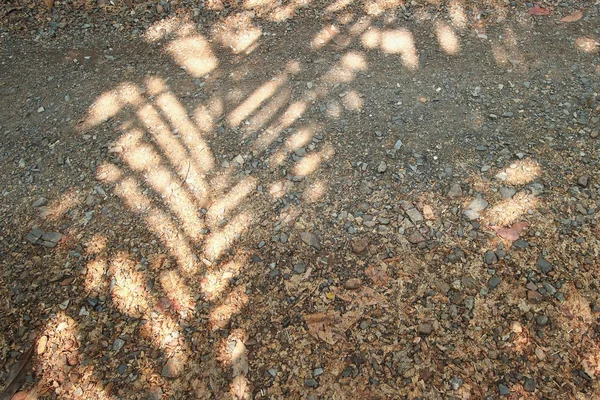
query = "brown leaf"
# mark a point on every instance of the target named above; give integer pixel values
(49, 3)
(574, 17)
(513, 233)
(377, 275)
(330, 326)
(537, 10)
(17, 375)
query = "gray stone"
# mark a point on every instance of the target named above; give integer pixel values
(318, 372)
(542, 320)
(172, 368)
(544, 265)
(507, 193)
(529, 385)
(118, 344)
(311, 383)
(414, 215)
(471, 215)
(583, 181)
(478, 204)
(493, 282)
(490, 257)
(51, 239)
(503, 390)
(521, 244)
(272, 372)
(34, 235)
(456, 382)
(382, 167)
(299, 268)
(398, 145)
(311, 240)
(40, 202)
(455, 191)
(425, 329)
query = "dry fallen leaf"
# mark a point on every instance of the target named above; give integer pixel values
(17, 375)
(240, 387)
(330, 326)
(49, 3)
(513, 233)
(574, 17)
(537, 10)
(377, 275)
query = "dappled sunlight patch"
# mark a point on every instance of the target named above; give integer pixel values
(401, 41)
(458, 16)
(307, 165)
(187, 131)
(338, 5)
(353, 101)
(215, 282)
(68, 200)
(128, 287)
(235, 302)
(291, 114)
(107, 105)
(447, 38)
(287, 11)
(253, 102)
(227, 203)
(194, 54)
(96, 281)
(315, 192)
(182, 300)
(96, 244)
(237, 33)
(510, 211)
(371, 39)
(269, 110)
(130, 192)
(521, 172)
(277, 189)
(155, 85)
(163, 29)
(587, 44)
(378, 7)
(108, 172)
(345, 71)
(334, 110)
(222, 240)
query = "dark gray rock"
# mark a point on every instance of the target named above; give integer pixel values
(544, 265)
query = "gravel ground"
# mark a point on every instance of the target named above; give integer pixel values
(300, 200)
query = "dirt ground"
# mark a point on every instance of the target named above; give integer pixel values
(300, 200)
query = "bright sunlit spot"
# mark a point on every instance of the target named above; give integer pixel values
(447, 39)
(401, 42)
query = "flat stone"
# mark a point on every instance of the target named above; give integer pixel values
(311, 383)
(521, 244)
(299, 268)
(544, 265)
(40, 202)
(490, 257)
(584, 181)
(534, 297)
(507, 193)
(529, 385)
(425, 329)
(34, 235)
(414, 215)
(542, 320)
(415, 238)
(360, 245)
(51, 239)
(478, 204)
(503, 390)
(118, 344)
(311, 240)
(318, 372)
(493, 282)
(382, 167)
(455, 191)
(471, 215)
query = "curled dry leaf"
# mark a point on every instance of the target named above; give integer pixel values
(574, 17)
(537, 10)
(513, 233)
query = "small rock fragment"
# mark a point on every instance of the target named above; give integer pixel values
(544, 265)
(455, 190)
(382, 167)
(490, 257)
(311, 240)
(360, 245)
(425, 329)
(584, 181)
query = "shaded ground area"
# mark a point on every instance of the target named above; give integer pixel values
(300, 200)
